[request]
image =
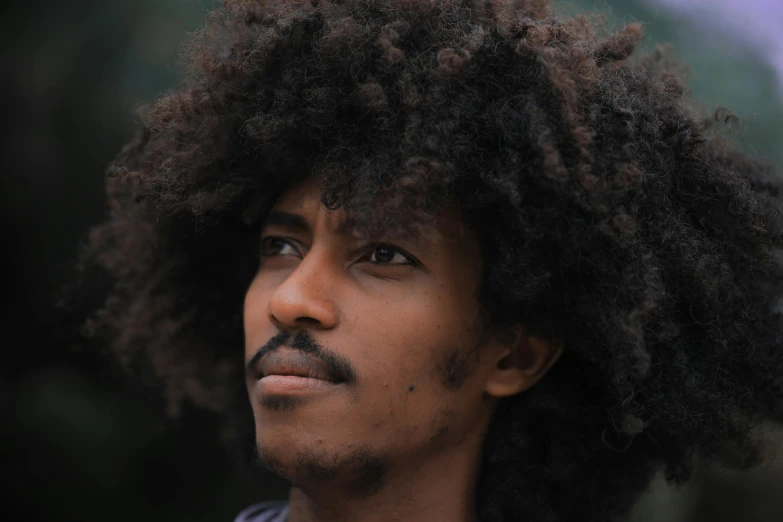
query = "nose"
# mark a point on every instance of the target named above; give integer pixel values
(306, 297)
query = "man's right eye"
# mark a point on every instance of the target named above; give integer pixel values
(277, 246)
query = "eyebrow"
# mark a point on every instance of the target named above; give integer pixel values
(298, 222)
(287, 219)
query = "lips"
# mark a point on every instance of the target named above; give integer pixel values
(295, 363)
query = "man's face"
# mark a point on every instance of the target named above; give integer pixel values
(395, 323)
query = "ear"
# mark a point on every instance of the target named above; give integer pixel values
(521, 364)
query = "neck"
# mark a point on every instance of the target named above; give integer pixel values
(441, 487)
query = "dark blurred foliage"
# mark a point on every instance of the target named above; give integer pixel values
(83, 442)
(746, 498)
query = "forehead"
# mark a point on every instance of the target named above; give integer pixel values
(304, 196)
(304, 199)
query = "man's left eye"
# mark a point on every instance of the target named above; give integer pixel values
(388, 255)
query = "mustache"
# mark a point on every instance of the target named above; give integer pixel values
(340, 367)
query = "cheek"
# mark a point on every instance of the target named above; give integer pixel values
(409, 340)
(255, 321)
(404, 398)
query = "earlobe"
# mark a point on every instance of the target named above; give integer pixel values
(522, 365)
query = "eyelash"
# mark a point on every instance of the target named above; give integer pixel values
(368, 251)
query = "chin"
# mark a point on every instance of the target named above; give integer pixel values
(308, 463)
(277, 454)
(280, 445)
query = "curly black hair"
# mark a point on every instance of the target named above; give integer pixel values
(611, 214)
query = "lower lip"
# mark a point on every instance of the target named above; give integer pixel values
(291, 384)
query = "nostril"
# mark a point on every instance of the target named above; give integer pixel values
(308, 321)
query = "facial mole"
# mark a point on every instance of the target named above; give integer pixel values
(411, 387)
(441, 432)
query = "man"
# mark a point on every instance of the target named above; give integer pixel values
(486, 265)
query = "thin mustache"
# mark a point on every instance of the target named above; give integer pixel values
(272, 344)
(340, 367)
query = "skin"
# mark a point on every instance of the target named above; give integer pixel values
(402, 441)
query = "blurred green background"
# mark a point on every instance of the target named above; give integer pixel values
(83, 442)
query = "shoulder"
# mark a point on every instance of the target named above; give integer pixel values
(264, 512)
